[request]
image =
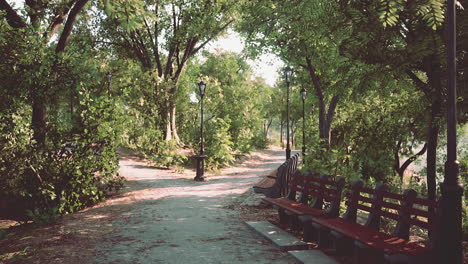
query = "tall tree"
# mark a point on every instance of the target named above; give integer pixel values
(44, 19)
(406, 37)
(305, 34)
(164, 35)
(235, 98)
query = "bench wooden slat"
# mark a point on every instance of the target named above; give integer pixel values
(321, 188)
(394, 206)
(412, 211)
(322, 181)
(394, 196)
(426, 202)
(359, 206)
(367, 190)
(321, 195)
(382, 203)
(417, 222)
(294, 207)
(373, 238)
(296, 189)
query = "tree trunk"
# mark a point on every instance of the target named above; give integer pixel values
(431, 159)
(281, 134)
(433, 71)
(293, 140)
(39, 119)
(175, 136)
(39, 113)
(267, 127)
(325, 120)
(168, 126)
(329, 119)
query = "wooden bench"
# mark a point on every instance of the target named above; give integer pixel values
(279, 181)
(303, 188)
(267, 182)
(370, 244)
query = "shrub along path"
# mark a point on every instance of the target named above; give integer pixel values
(163, 216)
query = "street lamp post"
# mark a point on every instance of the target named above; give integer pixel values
(449, 242)
(303, 95)
(200, 158)
(287, 77)
(109, 79)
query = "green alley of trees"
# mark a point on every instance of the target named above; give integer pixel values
(375, 72)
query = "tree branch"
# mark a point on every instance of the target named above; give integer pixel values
(410, 160)
(331, 110)
(64, 37)
(195, 50)
(13, 19)
(58, 19)
(419, 83)
(154, 43)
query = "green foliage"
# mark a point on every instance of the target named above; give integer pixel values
(64, 174)
(167, 155)
(388, 11)
(218, 144)
(45, 216)
(323, 161)
(240, 102)
(77, 164)
(260, 141)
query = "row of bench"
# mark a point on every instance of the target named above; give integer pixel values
(275, 184)
(312, 204)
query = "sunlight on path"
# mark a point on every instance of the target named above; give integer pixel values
(172, 219)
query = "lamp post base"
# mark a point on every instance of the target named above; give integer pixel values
(200, 167)
(449, 241)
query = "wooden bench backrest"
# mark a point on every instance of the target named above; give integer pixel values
(280, 181)
(321, 189)
(398, 207)
(290, 166)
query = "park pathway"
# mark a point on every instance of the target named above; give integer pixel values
(169, 218)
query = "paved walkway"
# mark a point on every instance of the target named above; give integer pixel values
(173, 219)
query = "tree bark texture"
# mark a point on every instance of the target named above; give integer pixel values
(39, 119)
(281, 134)
(325, 116)
(433, 71)
(175, 135)
(433, 134)
(401, 169)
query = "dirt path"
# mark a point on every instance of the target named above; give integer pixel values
(163, 216)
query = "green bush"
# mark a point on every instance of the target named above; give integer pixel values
(167, 155)
(66, 173)
(45, 216)
(260, 141)
(218, 144)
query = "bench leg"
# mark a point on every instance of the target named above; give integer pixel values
(405, 259)
(283, 217)
(342, 245)
(309, 233)
(293, 221)
(364, 254)
(324, 240)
